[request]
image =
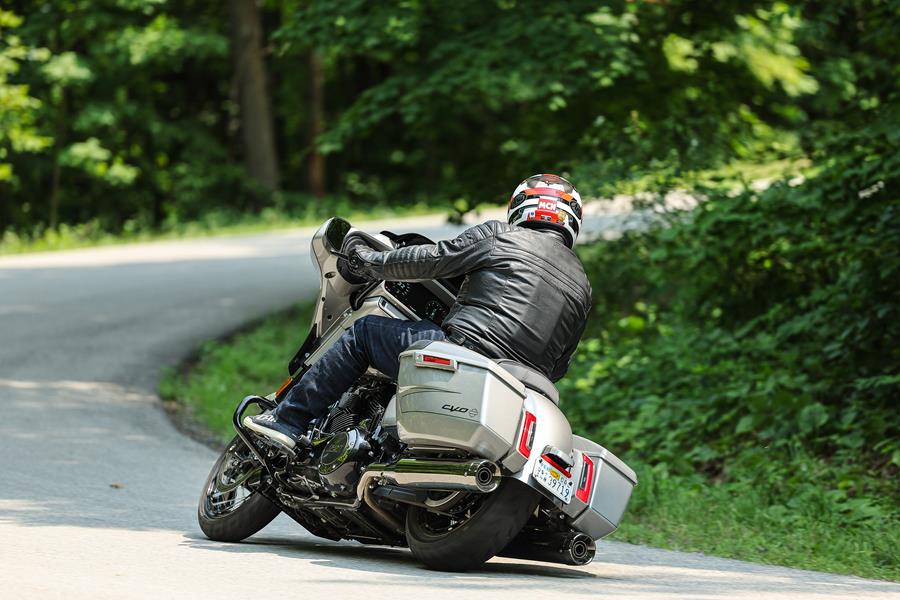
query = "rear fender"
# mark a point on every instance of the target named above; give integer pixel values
(551, 429)
(603, 482)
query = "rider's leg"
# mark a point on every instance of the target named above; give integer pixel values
(375, 341)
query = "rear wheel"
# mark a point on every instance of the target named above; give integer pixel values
(230, 510)
(469, 530)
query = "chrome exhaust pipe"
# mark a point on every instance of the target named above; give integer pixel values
(481, 476)
(571, 548)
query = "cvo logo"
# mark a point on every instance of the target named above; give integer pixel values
(472, 412)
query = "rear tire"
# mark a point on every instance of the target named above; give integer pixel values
(248, 512)
(494, 524)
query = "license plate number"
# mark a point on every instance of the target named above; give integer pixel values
(553, 480)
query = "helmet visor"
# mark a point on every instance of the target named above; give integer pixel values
(550, 181)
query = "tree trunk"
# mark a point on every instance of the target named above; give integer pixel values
(257, 135)
(315, 166)
(62, 122)
(54, 194)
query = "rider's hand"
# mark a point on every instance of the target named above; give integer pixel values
(351, 269)
(355, 260)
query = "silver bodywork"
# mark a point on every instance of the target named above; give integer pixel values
(465, 403)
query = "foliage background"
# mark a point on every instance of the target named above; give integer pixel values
(744, 354)
(124, 115)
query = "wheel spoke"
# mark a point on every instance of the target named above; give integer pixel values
(227, 490)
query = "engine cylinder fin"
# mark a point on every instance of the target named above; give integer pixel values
(342, 420)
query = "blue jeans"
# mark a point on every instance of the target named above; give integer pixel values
(371, 341)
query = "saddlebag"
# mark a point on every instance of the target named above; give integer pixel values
(451, 397)
(603, 488)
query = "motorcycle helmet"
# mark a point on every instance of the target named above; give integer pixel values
(547, 201)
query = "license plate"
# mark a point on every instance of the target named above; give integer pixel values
(553, 480)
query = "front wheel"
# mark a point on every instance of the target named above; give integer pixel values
(230, 510)
(460, 534)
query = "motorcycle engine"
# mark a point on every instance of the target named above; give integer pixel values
(342, 459)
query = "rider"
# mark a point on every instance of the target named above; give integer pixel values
(525, 297)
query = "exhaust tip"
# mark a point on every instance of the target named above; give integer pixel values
(581, 549)
(486, 477)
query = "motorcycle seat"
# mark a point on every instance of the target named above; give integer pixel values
(531, 379)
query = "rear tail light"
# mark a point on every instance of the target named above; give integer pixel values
(435, 362)
(587, 479)
(553, 462)
(526, 439)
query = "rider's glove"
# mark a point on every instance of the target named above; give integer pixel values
(352, 268)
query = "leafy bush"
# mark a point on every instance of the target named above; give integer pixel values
(754, 341)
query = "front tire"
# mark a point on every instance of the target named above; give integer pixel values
(229, 509)
(492, 524)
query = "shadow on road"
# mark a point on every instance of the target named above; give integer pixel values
(619, 569)
(374, 559)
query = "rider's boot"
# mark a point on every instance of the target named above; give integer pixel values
(270, 427)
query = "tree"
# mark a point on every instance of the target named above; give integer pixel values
(252, 93)
(18, 130)
(315, 165)
(464, 92)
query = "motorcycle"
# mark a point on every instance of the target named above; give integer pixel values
(462, 459)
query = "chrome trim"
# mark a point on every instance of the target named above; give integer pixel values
(480, 476)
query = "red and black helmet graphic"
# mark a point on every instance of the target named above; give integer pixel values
(547, 200)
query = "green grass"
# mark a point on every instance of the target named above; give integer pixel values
(739, 174)
(223, 223)
(666, 511)
(734, 521)
(253, 361)
(69, 237)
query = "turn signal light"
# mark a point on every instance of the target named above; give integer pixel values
(284, 385)
(587, 479)
(526, 439)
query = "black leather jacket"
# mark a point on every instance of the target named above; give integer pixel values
(525, 294)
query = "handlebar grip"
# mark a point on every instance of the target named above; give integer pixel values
(343, 268)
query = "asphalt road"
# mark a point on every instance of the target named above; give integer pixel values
(99, 490)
